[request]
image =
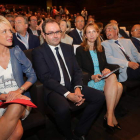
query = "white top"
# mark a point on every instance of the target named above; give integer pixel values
(67, 39)
(7, 81)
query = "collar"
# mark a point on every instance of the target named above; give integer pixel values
(137, 38)
(17, 34)
(79, 30)
(53, 47)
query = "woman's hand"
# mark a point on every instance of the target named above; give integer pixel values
(13, 95)
(105, 71)
(96, 77)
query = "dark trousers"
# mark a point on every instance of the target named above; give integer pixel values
(133, 74)
(60, 105)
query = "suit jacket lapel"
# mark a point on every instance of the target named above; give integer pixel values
(49, 53)
(116, 47)
(77, 36)
(63, 48)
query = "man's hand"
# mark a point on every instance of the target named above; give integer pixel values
(73, 97)
(133, 65)
(78, 93)
(96, 77)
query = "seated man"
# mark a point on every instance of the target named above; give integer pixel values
(77, 33)
(121, 52)
(57, 69)
(121, 33)
(33, 25)
(22, 38)
(135, 32)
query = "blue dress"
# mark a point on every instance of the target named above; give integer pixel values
(97, 85)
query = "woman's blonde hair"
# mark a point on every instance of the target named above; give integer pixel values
(97, 45)
(5, 21)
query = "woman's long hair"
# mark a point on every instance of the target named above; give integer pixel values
(97, 44)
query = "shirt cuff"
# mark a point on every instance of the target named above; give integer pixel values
(67, 93)
(78, 87)
(127, 63)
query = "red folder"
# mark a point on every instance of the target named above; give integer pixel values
(18, 101)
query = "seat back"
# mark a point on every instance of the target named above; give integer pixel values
(36, 91)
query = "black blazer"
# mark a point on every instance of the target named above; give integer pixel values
(76, 38)
(85, 61)
(123, 33)
(136, 42)
(33, 42)
(30, 31)
(47, 69)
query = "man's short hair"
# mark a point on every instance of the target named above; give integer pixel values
(9, 15)
(46, 22)
(25, 18)
(77, 17)
(115, 26)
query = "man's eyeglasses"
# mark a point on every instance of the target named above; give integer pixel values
(53, 33)
(136, 30)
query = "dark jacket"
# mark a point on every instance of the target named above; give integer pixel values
(47, 70)
(33, 42)
(86, 64)
(76, 38)
(136, 42)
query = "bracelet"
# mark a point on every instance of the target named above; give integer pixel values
(22, 88)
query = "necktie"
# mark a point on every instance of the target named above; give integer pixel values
(65, 73)
(80, 34)
(126, 56)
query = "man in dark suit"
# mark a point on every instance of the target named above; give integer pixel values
(77, 33)
(57, 69)
(32, 26)
(22, 38)
(135, 32)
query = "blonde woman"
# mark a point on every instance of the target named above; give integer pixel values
(13, 63)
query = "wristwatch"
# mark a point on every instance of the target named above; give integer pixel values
(22, 88)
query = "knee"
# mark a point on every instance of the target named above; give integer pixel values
(120, 87)
(112, 78)
(16, 110)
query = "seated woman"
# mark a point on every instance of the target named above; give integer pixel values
(65, 27)
(91, 58)
(13, 63)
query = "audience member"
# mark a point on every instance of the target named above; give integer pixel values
(122, 33)
(61, 11)
(121, 52)
(61, 76)
(64, 26)
(22, 38)
(13, 64)
(84, 13)
(66, 11)
(135, 32)
(90, 20)
(57, 18)
(91, 58)
(32, 29)
(77, 33)
(11, 19)
(54, 12)
(100, 26)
